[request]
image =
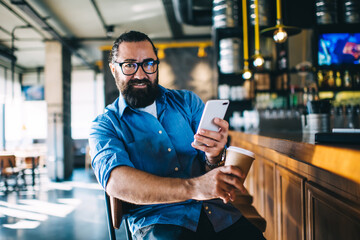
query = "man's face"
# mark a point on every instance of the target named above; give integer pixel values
(141, 88)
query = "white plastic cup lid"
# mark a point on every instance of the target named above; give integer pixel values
(242, 150)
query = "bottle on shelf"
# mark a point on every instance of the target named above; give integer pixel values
(338, 80)
(331, 79)
(347, 79)
(320, 78)
(357, 80)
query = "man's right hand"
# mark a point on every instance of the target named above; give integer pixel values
(220, 183)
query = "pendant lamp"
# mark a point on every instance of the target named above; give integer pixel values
(280, 32)
(258, 59)
(246, 73)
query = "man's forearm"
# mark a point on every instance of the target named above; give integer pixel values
(138, 187)
(141, 188)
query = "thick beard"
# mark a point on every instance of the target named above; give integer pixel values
(139, 98)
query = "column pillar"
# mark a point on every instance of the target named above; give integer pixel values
(58, 97)
(2, 127)
(110, 89)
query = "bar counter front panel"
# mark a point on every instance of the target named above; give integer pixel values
(303, 190)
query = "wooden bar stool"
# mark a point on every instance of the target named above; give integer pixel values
(9, 171)
(32, 163)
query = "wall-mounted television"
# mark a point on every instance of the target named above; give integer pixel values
(33, 92)
(339, 49)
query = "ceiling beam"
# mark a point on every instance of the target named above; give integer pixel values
(33, 14)
(175, 27)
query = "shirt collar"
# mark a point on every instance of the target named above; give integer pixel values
(161, 99)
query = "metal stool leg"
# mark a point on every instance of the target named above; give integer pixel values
(110, 224)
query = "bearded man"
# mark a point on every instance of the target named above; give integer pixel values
(143, 153)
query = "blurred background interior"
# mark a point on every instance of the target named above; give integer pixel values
(54, 80)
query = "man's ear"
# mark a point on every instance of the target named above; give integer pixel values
(112, 69)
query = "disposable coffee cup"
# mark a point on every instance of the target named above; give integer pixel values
(239, 157)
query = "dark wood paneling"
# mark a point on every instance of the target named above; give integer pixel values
(290, 202)
(329, 216)
(269, 204)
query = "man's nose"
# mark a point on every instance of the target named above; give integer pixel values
(140, 74)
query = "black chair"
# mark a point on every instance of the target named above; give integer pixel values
(9, 171)
(115, 215)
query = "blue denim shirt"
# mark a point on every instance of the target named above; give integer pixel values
(124, 136)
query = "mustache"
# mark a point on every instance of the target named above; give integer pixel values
(139, 81)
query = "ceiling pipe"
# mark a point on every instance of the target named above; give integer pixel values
(22, 19)
(27, 9)
(109, 29)
(6, 54)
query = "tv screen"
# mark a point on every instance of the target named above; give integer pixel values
(33, 92)
(339, 49)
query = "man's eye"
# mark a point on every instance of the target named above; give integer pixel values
(148, 63)
(129, 65)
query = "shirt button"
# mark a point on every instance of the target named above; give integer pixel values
(176, 169)
(160, 132)
(206, 208)
(169, 149)
(209, 212)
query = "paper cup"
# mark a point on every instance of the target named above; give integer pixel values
(239, 157)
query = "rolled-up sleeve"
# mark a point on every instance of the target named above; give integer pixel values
(107, 149)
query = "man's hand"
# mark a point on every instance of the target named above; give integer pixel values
(214, 141)
(219, 183)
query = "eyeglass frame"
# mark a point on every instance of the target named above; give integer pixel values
(139, 64)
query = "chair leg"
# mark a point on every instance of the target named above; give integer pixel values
(108, 213)
(127, 230)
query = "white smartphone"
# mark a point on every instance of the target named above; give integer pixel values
(213, 109)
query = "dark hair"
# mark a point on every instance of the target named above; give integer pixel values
(132, 36)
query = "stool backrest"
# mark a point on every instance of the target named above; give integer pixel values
(7, 161)
(31, 162)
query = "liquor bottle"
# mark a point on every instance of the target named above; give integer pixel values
(331, 79)
(357, 80)
(305, 96)
(320, 78)
(347, 79)
(338, 79)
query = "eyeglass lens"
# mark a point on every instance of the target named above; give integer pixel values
(149, 66)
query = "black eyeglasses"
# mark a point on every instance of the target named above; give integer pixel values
(149, 66)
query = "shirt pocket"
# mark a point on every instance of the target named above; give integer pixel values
(153, 155)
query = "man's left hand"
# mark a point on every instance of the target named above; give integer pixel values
(214, 141)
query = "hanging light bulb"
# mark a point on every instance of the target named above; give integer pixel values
(258, 59)
(280, 32)
(246, 73)
(280, 35)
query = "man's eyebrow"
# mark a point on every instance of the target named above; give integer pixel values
(148, 59)
(134, 60)
(129, 60)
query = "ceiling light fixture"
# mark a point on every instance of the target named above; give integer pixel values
(246, 73)
(161, 53)
(200, 45)
(258, 59)
(109, 31)
(201, 52)
(280, 32)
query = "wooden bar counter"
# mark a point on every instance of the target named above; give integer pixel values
(303, 190)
